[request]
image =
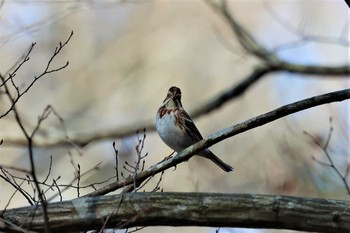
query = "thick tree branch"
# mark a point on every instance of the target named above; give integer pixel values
(189, 209)
(226, 133)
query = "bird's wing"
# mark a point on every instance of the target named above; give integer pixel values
(191, 128)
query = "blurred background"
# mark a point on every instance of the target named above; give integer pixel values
(123, 57)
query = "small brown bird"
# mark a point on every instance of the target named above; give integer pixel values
(176, 128)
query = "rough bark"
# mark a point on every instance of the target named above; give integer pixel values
(188, 209)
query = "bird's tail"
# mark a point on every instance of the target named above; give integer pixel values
(209, 155)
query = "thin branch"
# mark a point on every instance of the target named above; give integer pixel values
(330, 163)
(18, 65)
(252, 46)
(14, 168)
(114, 212)
(226, 133)
(30, 136)
(47, 70)
(8, 226)
(9, 201)
(342, 40)
(116, 161)
(58, 189)
(77, 176)
(49, 171)
(12, 179)
(16, 187)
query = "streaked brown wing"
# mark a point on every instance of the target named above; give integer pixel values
(191, 129)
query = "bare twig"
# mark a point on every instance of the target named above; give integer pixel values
(7, 226)
(58, 188)
(157, 187)
(77, 176)
(304, 37)
(15, 169)
(29, 136)
(46, 71)
(9, 201)
(139, 164)
(18, 65)
(10, 178)
(78, 180)
(16, 186)
(49, 172)
(116, 161)
(115, 211)
(330, 163)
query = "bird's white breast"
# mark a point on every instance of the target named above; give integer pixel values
(170, 133)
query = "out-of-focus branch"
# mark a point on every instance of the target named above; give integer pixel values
(246, 40)
(252, 46)
(82, 139)
(189, 209)
(330, 163)
(212, 104)
(226, 133)
(270, 64)
(304, 36)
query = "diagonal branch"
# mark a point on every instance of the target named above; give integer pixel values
(48, 70)
(226, 133)
(213, 104)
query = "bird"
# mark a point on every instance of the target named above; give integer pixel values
(177, 130)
